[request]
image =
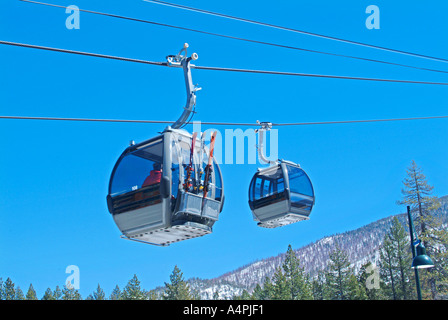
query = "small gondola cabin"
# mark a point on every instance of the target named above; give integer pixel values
(281, 194)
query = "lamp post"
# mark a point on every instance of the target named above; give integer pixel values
(420, 259)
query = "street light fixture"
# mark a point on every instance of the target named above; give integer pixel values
(420, 260)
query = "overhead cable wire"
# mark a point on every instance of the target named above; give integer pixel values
(241, 39)
(83, 119)
(96, 55)
(220, 68)
(317, 75)
(358, 121)
(218, 123)
(295, 30)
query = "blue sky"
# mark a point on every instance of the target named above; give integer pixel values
(54, 175)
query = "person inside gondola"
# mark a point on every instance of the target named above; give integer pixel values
(155, 175)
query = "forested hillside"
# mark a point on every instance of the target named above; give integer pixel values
(361, 245)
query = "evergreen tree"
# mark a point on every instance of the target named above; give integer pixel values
(355, 290)
(435, 280)
(268, 290)
(396, 260)
(152, 295)
(98, 294)
(338, 275)
(9, 291)
(387, 270)
(57, 293)
(281, 289)
(31, 293)
(319, 286)
(48, 295)
(417, 194)
(19, 294)
(70, 293)
(404, 259)
(244, 296)
(298, 282)
(195, 294)
(177, 289)
(116, 294)
(257, 294)
(1, 289)
(132, 291)
(364, 277)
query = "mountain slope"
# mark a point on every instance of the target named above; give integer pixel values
(361, 245)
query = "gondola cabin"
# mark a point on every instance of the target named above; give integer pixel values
(281, 194)
(149, 197)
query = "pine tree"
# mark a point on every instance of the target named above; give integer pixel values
(417, 194)
(98, 294)
(403, 258)
(298, 282)
(268, 290)
(178, 289)
(387, 270)
(132, 291)
(19, 294)
(395, 262)
(319, 286)
(244, 296)
(31, 293)
(355, 290)
(9, 290)
(1, 289)
(70, 293)
(257, 294)
(364, 277)
(338, 275)
(48, 295)
(57, 293)
(281, 288)
(195, 294)
(116, 294)
(435, 280)
(152, 295)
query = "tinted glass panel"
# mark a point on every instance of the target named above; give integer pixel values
(257, 188)
(175, 173)
(251, 190)
(280, 185)
(217, 181)
(267, 184)
(299, 181)
(139, 169)
(266, 187)
(301, 201)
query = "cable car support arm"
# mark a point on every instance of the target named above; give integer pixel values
(181, 60)
(265, 126)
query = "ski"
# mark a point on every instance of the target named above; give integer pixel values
(208, 168)
(189, 168)
(201, 156)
